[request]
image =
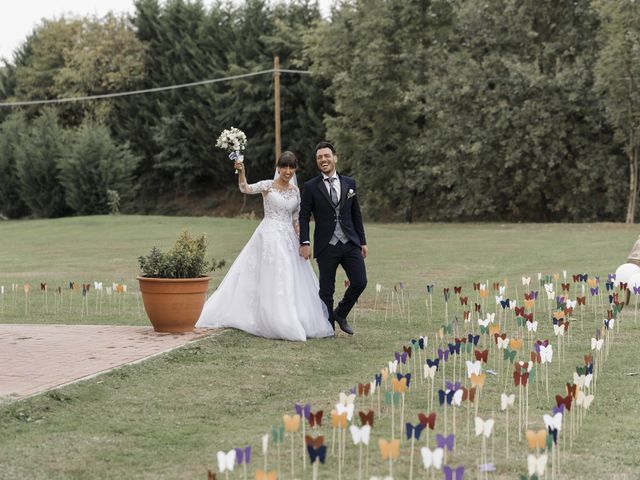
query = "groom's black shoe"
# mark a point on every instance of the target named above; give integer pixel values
(343, 324)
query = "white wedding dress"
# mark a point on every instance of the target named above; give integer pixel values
(270, 290)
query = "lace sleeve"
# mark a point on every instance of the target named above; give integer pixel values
(295, 216)
(254, 188)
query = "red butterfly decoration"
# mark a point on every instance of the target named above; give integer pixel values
(499, 335)
(496, 286)
(476, 286)
(572, 389)
(566, 401)
(576, 278)
(519, 311)
(363, 389)
(407, 350)
(528, 296)
(535, 357)
(469, 394)
(565, 287)
(544, 343)
(457, 289)
(476, 307)
(315, 418)
(623, 286)
(609, 314)
(528, 317)
(482, 355)
(520, 378)
(465, 314)
(588, 359)
(314, 442)
(429, 421)
(463, 300)
(366, 418)
(568, 311)
(582, 300)
(461, 340)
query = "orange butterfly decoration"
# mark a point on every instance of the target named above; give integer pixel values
(494, 330)
(559, 315)
(592, 282)
(399, 386)
(291, 423)
(556, 276)
(478, 380)
(385, 373)
(27, 288)
(528, 304)
(262, 475)
(588, 359)
(537, 440)
(389, 450)
(363, 389)
(338, 420)
(315, 418)
(316, 442)
(516, 344)
(366, 418)
(484, 293)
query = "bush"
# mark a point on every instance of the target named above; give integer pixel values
(96, 170)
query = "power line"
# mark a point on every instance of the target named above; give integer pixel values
(149, 90)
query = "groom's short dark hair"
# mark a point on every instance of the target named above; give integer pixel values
(325, 144)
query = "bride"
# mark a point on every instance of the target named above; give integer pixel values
(270, 290)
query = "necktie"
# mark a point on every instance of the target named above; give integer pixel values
(332, 190)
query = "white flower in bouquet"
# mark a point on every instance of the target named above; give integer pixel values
(233, 140)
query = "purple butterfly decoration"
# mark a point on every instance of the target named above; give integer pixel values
(534, 295)
(611, 277)
(595, 290)
(559, 409)
(449, 473)
(353, 390)
(453, 386)
(433, 362)
(401, 357)
(446, 442)
(243, 455)
(443, 354)
(303, 410)
(636, 290)
(487, 467)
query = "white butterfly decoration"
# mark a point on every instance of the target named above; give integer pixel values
(554, 422)
(491, 317)
(536, 465)
(513, 304)
(97, 285)
(226, 461)
(393, 366)
(572, 303)
(507, 401)
(432, 458)
(578, 379)
(378, 287)
(548, 287)
(558, 330)
(597, 344)
(587, 380)
(430, 371)
(124, 287)
(539, 276)
(342, 408)
(483, 427)
(372, 388)
(526, 281)
(532, 326)
(360, 435)
(2, 289)
(375, 477)
(499, 298)
(483, 323)
(503, 343)
(546, 353)
(457, 397)
(584, 400)
(347, 399)
(473, 367)
(564, 274)
(502, 289)
(265, 443)
(109, 290)
(483, 286)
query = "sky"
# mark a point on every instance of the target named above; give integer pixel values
(19, 17)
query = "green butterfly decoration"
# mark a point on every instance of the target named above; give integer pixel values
(532, 374)
(392, 397)
(469, 347)
(581, 370)
(484, 329)
(447, 328)
(510, 355)
(532, 477)
(549, 442)
(277, 434)
(521, 321)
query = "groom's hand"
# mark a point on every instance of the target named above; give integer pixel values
(305, 251)
(365, 250)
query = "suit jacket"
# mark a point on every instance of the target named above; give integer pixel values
(315, 200)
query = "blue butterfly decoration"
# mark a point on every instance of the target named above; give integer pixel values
(317, 453)
(473, 339)
(445, 396)
(435, 362)
(414, 431)
(407, 376)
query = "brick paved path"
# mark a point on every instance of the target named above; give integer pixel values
(36, 358)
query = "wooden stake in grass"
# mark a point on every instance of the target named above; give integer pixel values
(27, 290)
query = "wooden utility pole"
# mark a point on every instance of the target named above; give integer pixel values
(276, 85)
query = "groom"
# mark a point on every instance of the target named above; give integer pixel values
(338, 238)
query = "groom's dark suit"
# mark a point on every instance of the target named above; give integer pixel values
(316, 200)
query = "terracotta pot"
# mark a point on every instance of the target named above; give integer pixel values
(173, 305)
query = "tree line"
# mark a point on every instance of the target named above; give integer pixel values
(444, 110)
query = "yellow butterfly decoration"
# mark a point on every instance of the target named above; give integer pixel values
(478, 380)
(559, 314)
(338, 420)
(556, 276)
(385, 373)
(516, 344)
(291, 423)
(262, 475)
(484, 293)
(27, 288)
(389, 450)
(399, 386)
(493, 329)
(528, 304)
(592, 282)
(537, 440)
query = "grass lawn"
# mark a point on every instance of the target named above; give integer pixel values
(167, 417)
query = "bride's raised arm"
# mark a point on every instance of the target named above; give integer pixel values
(254, 188)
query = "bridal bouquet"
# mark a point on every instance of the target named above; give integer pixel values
(234, 141)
